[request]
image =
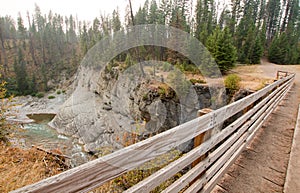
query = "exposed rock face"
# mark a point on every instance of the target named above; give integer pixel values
(107, 106)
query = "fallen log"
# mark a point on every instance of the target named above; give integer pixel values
(51, 152)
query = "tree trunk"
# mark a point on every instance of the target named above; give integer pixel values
(31, 42)
(5, 64)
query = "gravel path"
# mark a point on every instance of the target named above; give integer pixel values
(262, 166)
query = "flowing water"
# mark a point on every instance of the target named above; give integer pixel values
(41, 135)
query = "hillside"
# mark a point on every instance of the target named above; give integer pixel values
(41, 50)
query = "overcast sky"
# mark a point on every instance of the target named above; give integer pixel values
(85, 10)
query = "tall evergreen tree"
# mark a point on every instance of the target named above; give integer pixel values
(116, 21)
(279, 49)
(220, 44)
(21, 74)
(235, 15)
(21, 31)
(153, 16)
(205, 19)
(273, 18)
(84, 39)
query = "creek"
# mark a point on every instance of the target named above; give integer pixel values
(40, 134)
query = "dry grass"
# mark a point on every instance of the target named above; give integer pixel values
(20, 167)
(130, 178)
(252, 77)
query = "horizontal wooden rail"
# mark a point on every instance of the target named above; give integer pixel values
(92, 174)
(187, 178)
(176, 166)
(213, 174)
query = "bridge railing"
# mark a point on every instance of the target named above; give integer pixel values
(221, 149)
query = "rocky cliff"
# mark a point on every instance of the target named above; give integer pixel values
(109, 107)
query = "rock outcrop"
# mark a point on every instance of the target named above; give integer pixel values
(107, 107)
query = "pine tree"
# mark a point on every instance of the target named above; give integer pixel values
(251, 51)
(72, 29)
(257, 52)
(21, 74)
(205, 19)
(177, 21)
(235, 15)
(279, 49)
(21, 31)
(31, 40)
(3, 21)
(33, 85)
(153, 17)
(164, 12)
(116, 21)
(84, 39)
(140, 17)
(220, 45)
(284, 48)
(273, 18)
(128, 61)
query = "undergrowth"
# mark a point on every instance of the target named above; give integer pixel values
(20, 167)
(232, 82)
(138, 174)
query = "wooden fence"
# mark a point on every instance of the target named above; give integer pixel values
(223, 147)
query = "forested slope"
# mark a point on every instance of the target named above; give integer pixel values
(38, 50)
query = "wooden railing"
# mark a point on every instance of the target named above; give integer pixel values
(221, 149)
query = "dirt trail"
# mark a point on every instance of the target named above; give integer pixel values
(262, 166)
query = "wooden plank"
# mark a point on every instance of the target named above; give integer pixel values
(221, 172)
(189, 176)
(282, 74)
(211, 184)
(252, 131)
(213, 174)
(198, 140)
(92, 174)
(270, 110)
(194, 172)
(233, 152)
(165, 173)
(256, 128)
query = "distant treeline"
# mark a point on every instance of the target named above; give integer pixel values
(242, 31)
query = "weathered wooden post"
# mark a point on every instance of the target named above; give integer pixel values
(201, 138)
(198, 140)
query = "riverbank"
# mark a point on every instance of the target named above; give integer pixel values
(21, 106)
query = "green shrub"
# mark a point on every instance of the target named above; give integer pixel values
(51, 97)
(166, 67)
(232, 82)
(40, 95)
(145, 97)
(199, 81)
(161, 91)
(58, 92)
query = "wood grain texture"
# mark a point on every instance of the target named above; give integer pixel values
(198, 140)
